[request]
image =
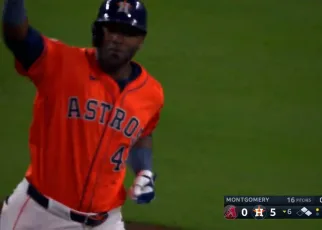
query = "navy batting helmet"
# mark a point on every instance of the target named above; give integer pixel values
(129, 12)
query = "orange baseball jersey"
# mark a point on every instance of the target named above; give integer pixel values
(71, 161)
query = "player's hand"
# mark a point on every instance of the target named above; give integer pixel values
(142, 190)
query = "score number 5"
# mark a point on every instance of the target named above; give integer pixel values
(272, 212)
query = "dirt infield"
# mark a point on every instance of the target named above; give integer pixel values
(131, 225)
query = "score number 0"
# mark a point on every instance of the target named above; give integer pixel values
(244, 212)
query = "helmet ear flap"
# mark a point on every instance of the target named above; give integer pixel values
(97, 34)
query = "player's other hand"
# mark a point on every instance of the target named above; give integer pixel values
(142, 190)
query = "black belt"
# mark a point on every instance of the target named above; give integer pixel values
(89, 220)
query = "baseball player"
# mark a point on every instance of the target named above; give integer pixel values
(94, 113)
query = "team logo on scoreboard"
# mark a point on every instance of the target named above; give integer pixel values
(259, 212)
(230, 212)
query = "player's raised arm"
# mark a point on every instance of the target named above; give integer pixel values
(37, 57)
(15, 22)
(25, 43)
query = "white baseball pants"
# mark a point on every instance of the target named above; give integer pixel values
(23, 213)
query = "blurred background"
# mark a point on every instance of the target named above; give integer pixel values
(242, 116)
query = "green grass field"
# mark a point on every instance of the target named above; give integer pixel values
(243, 111)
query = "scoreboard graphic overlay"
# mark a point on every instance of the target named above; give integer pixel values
(272, 207)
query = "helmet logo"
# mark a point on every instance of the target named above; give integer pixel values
(124, 7)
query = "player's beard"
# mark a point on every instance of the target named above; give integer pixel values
(111, 61)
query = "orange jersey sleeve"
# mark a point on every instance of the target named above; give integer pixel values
(157, 88)
(152, 124)
(44, 70)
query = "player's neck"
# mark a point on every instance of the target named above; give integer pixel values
(122, 73)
